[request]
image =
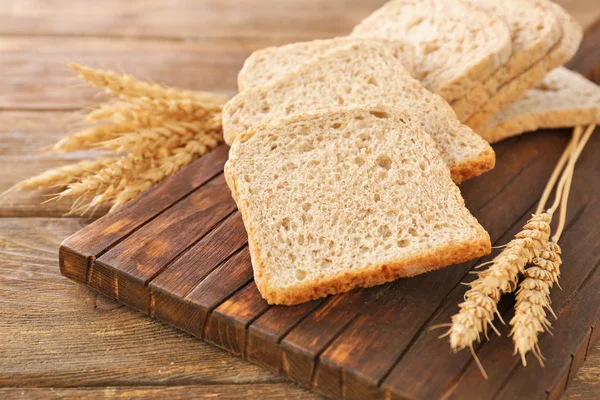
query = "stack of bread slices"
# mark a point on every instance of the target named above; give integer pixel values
(345, 152)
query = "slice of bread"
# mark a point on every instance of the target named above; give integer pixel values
(346, 198)
(362, 73)
(509, 93)
(564, 99)
(269, 64)
(456, 44)
(534, 30)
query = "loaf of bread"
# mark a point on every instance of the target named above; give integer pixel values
(457, 44)
(512, 91)
(564, 99)
(534, 30)
(346, 198)
(361, 73)
(269, 64)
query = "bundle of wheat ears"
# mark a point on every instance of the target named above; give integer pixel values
(148, 133)
(535, 255)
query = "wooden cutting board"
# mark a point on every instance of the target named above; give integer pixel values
(179, 254)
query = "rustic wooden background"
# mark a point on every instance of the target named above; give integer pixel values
(57, 338)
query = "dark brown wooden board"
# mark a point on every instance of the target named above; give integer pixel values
(179, 254)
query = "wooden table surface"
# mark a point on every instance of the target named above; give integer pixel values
(57, 338)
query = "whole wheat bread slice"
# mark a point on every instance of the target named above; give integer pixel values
(509, 93)
(534, 30)
(456, 44)
(269, 64)
(346, 198)
(362, 73)
(564, 99)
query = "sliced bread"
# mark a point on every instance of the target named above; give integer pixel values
(269, 64)
(534, 30)
(346, 198)
(564, 99)
(509, 93)
(362, 73)
(456, 44)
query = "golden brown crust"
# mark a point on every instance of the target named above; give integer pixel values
(447, 255)
(546, 120)
(484, 162)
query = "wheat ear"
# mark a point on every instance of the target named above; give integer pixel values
(477, 312)
(533, 297)
(127, 86)
(481, 300)
(87, 138)
(145, 109)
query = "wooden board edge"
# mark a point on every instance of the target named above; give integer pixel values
(73, 264)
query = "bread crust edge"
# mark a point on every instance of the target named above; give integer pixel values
(378, 274)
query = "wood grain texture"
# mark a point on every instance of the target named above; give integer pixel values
(272, 391)
(201, 19)
(99, 345)
(185, 19)
(59, 334)
(22, 135)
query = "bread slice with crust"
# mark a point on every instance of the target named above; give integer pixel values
(362, 73)
(534, 30)
(564, 99)
(269, 64)
(346, 198)
(509, 93)
(456, 44)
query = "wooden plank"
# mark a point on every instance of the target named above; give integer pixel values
(102, 277)
(568, 336)
(227, 325)
(304, 343)
(225, 308)
(56, 333)
(191, 268)
(265, 333)
(271, 391)
(186, 19)
(221, 284)
(102, 234)
(586, 383)
(142, 255)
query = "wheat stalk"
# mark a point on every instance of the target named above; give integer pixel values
(533, 297)
(124, 112)
(170, 135)
(109, 176)
(144, 108)
(160, 130)
(87, 138)
(481, 300)
(477, 311)
(127, 86)
(64, 175)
